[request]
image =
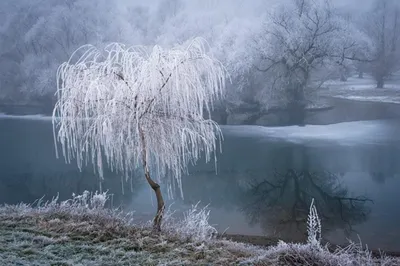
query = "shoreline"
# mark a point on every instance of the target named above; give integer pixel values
(82, 231)
(55, 235)
(265, 241)
(338, 110)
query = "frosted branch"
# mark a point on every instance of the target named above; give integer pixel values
(105, 96)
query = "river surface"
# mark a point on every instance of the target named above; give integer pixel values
(264, 183)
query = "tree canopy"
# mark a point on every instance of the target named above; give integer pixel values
(135, 105)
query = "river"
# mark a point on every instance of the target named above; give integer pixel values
(263, 185)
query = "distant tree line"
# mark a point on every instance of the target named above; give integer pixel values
(277, 54)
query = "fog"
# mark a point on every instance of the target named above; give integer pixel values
(249, 37)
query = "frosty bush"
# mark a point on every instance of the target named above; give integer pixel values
(313, 253)
(87, 206)
(193, 227)
(314, 227)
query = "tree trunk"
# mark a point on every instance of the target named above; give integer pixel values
(360, 74)
(160, 202)
(153, 185)
(380, 83)
(297, 114)
(297, 108)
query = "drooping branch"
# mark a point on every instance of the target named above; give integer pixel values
(120, 89)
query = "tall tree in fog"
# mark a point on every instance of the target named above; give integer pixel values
(137, 107)
(228, 25)
(37, 36)
(298, 39)
(382, 24)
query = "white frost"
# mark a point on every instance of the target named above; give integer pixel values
(126, 103)
(348, 132)
(27, 117)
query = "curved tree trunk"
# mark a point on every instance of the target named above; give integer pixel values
(160, 201)
(153, 185)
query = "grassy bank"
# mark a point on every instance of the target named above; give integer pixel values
(81, 231)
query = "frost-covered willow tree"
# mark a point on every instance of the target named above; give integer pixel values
(139, 107)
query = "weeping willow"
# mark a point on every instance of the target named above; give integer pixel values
(135, 107)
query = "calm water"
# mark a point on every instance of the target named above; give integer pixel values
(265, 181)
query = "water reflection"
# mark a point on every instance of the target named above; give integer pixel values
(259, 180)
(282, 201)
(28, 186)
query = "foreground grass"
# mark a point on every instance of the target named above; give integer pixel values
(82, 232)
(62, 240)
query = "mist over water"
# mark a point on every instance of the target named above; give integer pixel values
(263, 184)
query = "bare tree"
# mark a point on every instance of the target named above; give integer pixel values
(136, 108)
(382, 25)
(297, 40)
